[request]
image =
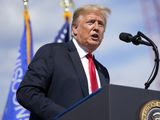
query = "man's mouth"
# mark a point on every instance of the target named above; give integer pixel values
(95, 36)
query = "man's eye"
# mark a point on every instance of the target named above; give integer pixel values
(101, 24)
(90, 22)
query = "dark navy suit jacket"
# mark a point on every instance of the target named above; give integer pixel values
(55, 80)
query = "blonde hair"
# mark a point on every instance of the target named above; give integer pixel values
(90, 8)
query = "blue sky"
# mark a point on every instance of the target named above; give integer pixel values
(128, 65)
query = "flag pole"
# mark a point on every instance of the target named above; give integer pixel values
(67, 4)
(64, 32)
(28, 31)
(25, 2)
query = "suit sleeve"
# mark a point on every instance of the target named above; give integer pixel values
(32, 92)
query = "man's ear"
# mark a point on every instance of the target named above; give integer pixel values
(74, 30)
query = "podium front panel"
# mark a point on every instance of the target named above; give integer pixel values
(126, 102)
(113, 102)
(94, 107)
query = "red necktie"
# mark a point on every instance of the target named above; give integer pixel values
(92, 73)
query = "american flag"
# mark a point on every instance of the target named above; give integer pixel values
(63, 34)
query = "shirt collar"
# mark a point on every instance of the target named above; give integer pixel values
(81, 51)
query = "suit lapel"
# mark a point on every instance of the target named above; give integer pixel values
(78, 68)
(100, 73)
(102, 78)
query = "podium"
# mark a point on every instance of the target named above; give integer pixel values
(112, 102)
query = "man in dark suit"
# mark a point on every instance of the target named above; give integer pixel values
(60, 73)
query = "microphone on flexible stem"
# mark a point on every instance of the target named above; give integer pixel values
(126, 37)
(136, 40)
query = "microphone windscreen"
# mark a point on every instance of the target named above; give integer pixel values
(125, 37)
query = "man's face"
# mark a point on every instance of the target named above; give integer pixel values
(89, 30)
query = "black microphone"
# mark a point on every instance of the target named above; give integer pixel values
(136, 40)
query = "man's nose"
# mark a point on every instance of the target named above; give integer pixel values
(96, 27)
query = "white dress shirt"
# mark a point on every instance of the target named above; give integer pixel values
(82, 53)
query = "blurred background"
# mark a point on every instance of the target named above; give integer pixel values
(128, 65)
